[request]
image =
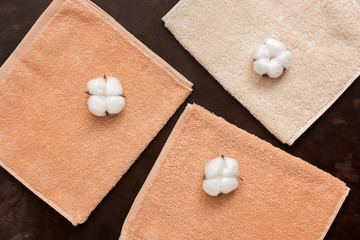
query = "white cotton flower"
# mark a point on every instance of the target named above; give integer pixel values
(105, 96)
(114, 104)
(271, 58)
(97, 105)
(113, 87)
(96, 86)
(221, 176)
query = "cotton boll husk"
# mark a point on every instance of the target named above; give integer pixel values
(284, 59)
(113, 87)
(212, 186)
(97, 105)
(228, 184)
(261, 66)
(115, 104)
(214, 167)
(275, 68)
(231, 168)
(275, 47)
(96, 86)
(261, 51)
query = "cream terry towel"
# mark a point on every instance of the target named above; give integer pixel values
(49, 139)
(280, 197)
(323, 37)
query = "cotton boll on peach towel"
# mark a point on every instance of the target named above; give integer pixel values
(280, 196)
(105, 96)
(221, 176)
(51, 142)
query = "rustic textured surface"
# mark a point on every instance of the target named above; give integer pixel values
(332, 143)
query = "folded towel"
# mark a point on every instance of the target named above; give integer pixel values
(280, 197)
(322, 36)
(50, 141)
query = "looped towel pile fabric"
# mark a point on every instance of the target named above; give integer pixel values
(71, 159)
(280, 197)
(49, 139)
(322, 36)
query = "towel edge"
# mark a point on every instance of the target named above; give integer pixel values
(335, 213)
(40, 195)
(332, 100)
(169, 142)
(7, 66)
(30, 36)
(181, 80)
(172, 11)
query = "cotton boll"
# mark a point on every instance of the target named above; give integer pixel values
(213, 168)
(231, 168)
(275, 47)
(113, 87)
(96, 86)
(228, 184)
(221, 176)
(114, 104)
(284, 58)
(261, 66)
(212, 186)
(275, 61)
(97, 105)
(261, 51)
(275, 69)
(105, 96)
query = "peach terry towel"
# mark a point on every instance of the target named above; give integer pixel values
(280, 197)
(322, 36)
(49, 139)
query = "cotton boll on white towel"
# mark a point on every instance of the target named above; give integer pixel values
(274, 46)
(275, 69)
(271, 58)
(261, 66)
(105, 96)
(221, 176)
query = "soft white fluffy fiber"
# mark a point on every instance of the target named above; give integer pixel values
(97, 86)
(113, 87)
(271, 58)
(221, 176)
(105, 96)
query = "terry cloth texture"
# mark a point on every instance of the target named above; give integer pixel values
(322, 36)
(280, 197)
(49, 139)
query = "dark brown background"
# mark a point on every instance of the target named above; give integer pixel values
(332, 143)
